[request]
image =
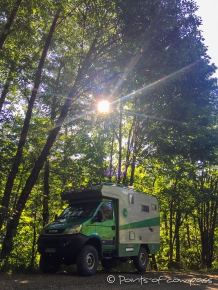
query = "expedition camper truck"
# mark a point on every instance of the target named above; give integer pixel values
(104, 222)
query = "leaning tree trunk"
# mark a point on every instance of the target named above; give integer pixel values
(14, 221)
(10, 21)
(25, 129)
(75, 92)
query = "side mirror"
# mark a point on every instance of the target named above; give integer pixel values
(100, 216)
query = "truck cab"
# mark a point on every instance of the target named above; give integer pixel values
(100, 223)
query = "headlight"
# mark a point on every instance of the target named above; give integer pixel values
(74, 230)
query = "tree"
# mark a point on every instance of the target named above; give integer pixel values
(9, 23)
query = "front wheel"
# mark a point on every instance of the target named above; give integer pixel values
(87, 261)
(141, 261)
(49, 264)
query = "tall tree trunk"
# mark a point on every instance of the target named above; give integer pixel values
(120, 146)
(132, 168)
(171, 232)
(129, 145)
(45, 214)
(188, 234)
(111, 158)
(177, 238)
(33, 244)
(46, 191)
(10, 21)
(23, 136)
(134, 151)
(213, 218)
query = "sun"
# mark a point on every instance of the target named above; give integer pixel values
(103, 106)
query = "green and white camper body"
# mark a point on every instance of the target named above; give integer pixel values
(109, 222)
(138, 220)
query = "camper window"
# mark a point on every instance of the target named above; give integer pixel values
(153, 206)
(131, 198)
(145, 208)
(107, 209)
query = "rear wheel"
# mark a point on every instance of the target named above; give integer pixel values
(49, 264)
(87, 261)
(141, 261)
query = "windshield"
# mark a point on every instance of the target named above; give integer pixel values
(83, 210)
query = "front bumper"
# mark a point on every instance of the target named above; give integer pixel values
(65, 246)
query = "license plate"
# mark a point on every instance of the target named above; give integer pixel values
(50, 250)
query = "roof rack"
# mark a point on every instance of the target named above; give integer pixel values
(69, 192)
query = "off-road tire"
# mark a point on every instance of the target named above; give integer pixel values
(87, 261)
(47, 265)
(141, 261)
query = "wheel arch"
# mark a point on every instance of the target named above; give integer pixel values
(146, 248)
(95, 242)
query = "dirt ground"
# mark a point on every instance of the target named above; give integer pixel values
(162, 280)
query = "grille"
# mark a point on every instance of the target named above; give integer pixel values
(54, 243)
(53, 232)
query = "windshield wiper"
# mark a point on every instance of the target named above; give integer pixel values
(72, 215)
